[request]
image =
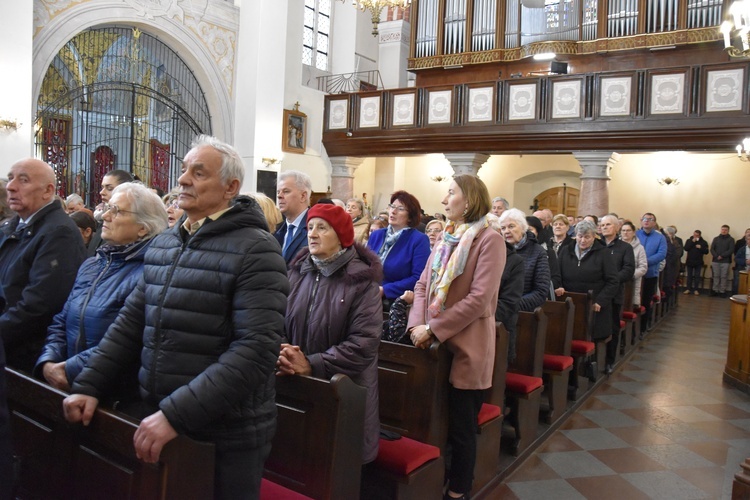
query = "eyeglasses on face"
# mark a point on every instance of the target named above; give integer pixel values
(434, 231)
(397, 208)
(114, 210)
(648, 219)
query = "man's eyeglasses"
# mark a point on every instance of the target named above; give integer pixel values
(391, 206)
(648, 219)
(114, 210)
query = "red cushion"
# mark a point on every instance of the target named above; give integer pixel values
(404, 455)
(641, 309)
(629, 315)
(487, 413)
(622, 324)
(663, 294)
(655, 298)
(273, 491)
(522, 384)
(582, 347)
(557, 363)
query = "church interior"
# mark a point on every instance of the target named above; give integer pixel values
(580, 106)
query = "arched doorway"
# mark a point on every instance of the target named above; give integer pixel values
(117, 98)
(561, 200)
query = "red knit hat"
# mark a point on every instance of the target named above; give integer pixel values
(340, 221)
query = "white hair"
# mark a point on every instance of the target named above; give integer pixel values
(301, 180)
(147, 207)
(231, 161)
(516, 216)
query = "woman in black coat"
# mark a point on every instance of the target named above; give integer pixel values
(536, 284)
(586, 266)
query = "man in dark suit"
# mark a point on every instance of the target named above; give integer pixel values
(40, 251)
(293, 195)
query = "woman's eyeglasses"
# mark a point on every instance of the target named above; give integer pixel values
(114, 210)
(391, 206)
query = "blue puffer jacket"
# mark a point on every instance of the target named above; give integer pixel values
(655, 245)
(101, 287)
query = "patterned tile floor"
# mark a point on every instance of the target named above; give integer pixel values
(663, 426)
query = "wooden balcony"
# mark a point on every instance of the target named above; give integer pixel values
(692, 100)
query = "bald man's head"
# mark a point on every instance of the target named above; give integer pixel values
(31, 185)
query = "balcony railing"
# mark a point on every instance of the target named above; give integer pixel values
(359, 81)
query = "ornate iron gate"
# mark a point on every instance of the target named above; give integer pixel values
(117, 98)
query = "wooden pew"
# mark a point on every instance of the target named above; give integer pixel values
(490, 422)
(524, 383)
(62, 460)
(413, 391)
(317, 448)
(631, 318)
(582, 348)
(558, 362)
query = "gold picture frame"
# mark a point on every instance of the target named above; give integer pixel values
(294, 136)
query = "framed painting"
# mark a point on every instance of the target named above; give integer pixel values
(295, 131)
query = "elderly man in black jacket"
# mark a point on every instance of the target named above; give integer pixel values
(624, 259)
(204, 324)
(40, 252)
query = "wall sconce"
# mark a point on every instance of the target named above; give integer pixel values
(438, 178)
(8, 125)
(668, 181)
(267, 162)
(736, 30)
(743, 150)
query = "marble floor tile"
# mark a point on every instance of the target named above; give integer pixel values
(569, 464)
(594, 439)
(558, 489)
(665, 485)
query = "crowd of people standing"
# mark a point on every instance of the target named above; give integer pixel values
(180, 310)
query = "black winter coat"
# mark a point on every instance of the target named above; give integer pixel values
(511, 290)
(205, 321)
(536, 273)
(694, 253)
(624, 259)
(335, 317)
(38, 267)
(596, 271)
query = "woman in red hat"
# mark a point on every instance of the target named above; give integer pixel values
(333, 318)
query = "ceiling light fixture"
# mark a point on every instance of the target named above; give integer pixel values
(376, 7)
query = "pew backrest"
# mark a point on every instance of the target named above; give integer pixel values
(530, 337)
(560, 321)
(317, 448)
(413, 391)
(496, 393)
(62, 460)
(584, 314)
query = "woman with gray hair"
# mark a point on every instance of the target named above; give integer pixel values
(133, 216)
(356, 210)
(536, 283)
(588, 266)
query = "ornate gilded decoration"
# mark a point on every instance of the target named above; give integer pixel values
(602, 45)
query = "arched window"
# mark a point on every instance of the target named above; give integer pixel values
(316, 34)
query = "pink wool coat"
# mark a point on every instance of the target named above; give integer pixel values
(467, 325)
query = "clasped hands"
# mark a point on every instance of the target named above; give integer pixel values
(153, 433)
(420, 337)
(292, 361)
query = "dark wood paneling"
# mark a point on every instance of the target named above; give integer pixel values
(690, 129)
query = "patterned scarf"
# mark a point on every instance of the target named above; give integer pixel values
(391, 237)
(450, 259)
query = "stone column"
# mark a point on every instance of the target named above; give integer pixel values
(466, 163)
(393, 51)
(342, 176)
(595, 179)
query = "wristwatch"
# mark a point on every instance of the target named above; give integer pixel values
(427, 329)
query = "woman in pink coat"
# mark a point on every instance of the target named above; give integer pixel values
(454, 301)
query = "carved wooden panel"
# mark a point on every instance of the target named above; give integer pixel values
(522, 101)
(404, 108)
(369, 110)
(480, 103)
(725, 89)
(667, 92)
(566, 99)
(616, 95)
(338, 114)
(439, 106)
